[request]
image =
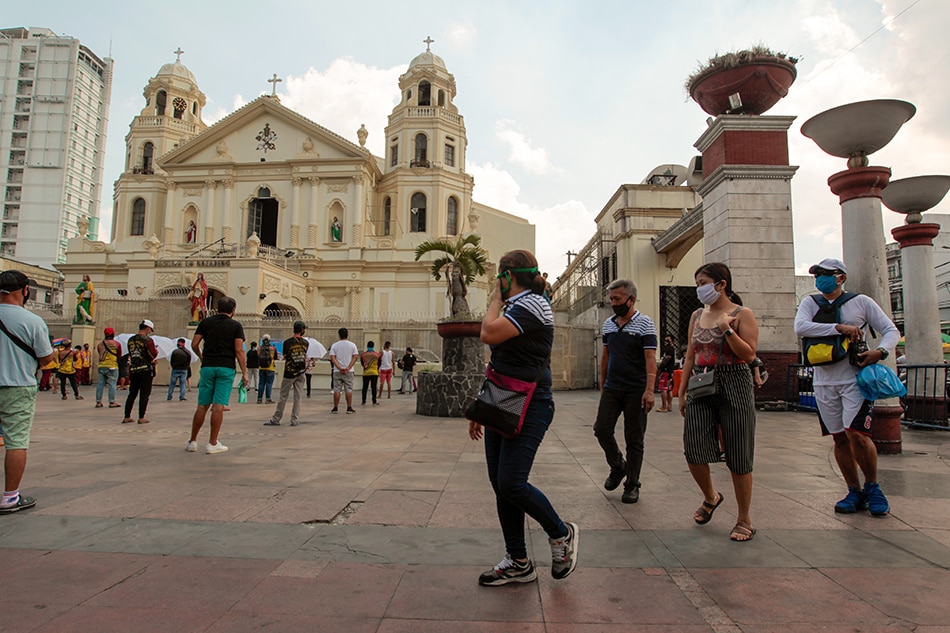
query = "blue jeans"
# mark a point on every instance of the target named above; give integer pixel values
(179, 376)
(265, 385)
(109, 376)
(509, 464)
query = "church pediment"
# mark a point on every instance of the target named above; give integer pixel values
(264, 129)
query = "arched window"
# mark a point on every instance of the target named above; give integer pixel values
(387, 215)
(148, 150)
(160, 99)
(421, 156)
(138, 217)
(417, 213)
(441, 98)
(424, 93)
(194, 108)
(452, 227)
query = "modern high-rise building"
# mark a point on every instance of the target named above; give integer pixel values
(54, 113)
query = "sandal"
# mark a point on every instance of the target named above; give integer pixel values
(114, 405)
(128, 421)
(143, 421)
(98, 405)
(742, 532)
(705, 511)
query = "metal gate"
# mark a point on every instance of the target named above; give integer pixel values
(677, 304)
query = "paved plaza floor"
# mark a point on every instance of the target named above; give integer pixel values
(381, 522)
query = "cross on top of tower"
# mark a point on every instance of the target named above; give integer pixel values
(274, 80)
(428, 42)
(178, 52)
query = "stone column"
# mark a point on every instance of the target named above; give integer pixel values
(208, 214)
(859, 193)
(313, 224)
(227, 213)
(747, 224)
(295, 214)
(924, 345)
(359, 211)
(170, 224)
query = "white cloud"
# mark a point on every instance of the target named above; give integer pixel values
(521, 151)
(558, 229)
(462, 36)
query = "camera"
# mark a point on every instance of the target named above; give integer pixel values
(856, 347)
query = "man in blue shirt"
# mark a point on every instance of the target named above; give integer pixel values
(627, 374)
(24, 345)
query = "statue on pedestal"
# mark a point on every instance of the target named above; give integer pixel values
(85, 301)
(336, 230)
(191, 233)
(199, 299)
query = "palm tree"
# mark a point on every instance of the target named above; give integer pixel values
(461, 262)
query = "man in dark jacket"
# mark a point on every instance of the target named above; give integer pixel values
(180, 360)
(295, 362)
(253, 364)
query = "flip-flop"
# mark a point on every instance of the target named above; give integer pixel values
(742, 529)
(706, 510)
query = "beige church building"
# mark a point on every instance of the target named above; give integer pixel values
(285, 215)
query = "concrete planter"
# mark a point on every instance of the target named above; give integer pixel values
(760, 83)
(458, 329)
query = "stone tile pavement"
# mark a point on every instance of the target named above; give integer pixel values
(381, 521)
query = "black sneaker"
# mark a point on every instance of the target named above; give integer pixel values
(613, 480)
(22, 503)
(334, 410)
(631, 495)
(564, 552)
(508, 571)
(350, 410)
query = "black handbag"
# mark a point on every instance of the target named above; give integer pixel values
(501, 403)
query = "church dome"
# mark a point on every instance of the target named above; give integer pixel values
(179, 70)
(427, 58)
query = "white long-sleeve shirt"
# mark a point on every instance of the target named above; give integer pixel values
(859, 311)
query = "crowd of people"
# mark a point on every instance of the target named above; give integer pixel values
(720, 371)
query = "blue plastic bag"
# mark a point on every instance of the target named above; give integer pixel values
(878, 382)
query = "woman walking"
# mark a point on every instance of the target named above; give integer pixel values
(519, 327)
(723, 337)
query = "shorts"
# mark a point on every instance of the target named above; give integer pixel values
(842, 407)
(665, 382)
(731, 408)
(17, 408)
(342, 382)
(385, 376)
(215, 385)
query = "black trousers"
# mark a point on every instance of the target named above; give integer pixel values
(367, 382)
(140, 384)
(309, 376)
(72, 381)
(612, 404)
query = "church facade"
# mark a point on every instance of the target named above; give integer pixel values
(287, 216)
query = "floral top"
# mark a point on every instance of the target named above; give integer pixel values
(707, 343)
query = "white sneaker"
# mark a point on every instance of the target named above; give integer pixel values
(191, 446)
(211, 449)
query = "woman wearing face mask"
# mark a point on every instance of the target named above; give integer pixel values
(519, 327)
(722, 335)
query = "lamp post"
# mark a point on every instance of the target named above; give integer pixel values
(926, 391)
(854, 131)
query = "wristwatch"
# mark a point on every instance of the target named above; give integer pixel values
(884, 353)
(729, 332)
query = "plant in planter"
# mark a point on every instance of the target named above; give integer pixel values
(460, 262)
(749, 81)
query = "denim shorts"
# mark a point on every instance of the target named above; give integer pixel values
(215, 385)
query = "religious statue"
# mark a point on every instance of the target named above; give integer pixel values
(336, 230)
(191, 233)
(85, 301)
(199, 299)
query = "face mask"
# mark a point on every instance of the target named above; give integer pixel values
(826, 284)
(622, 309)
(707, 294)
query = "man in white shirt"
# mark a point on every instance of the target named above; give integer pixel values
(343, 355)
(842, 410)
(24, 345)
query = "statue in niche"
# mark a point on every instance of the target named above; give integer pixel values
(85, 301)
(336, 230)
(191, 233)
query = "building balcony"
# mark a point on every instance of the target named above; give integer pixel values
(165, 121)
(419, 163)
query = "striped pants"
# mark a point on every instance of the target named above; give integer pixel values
(731, 408)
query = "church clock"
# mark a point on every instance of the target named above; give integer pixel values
(179, 104)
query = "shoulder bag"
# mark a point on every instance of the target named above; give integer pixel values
(502, 402)
(703, 385)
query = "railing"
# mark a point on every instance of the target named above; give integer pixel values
(927, 403)
(159, 121)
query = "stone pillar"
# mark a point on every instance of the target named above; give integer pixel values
(313, 224)
(207, 216)
(359, 212)
(859, 192)
(926, 392)
(295, 213)
(82, 334)
(170, 223)
(747, 224)
(227, 213)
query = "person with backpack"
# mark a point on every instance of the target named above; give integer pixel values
(142, 357)
(266, 357)
(830, 324)
(68, 358)
(295, 363)
(370, 362)
(109, 351)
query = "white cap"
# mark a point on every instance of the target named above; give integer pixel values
(148, 323)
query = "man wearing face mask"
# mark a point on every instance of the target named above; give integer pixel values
(627, 374)
(24, 344)
(842, 411)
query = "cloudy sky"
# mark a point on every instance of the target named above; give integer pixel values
(563, 101)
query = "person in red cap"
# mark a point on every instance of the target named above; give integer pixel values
(110, 351)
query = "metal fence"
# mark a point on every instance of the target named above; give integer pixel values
(927, 403)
